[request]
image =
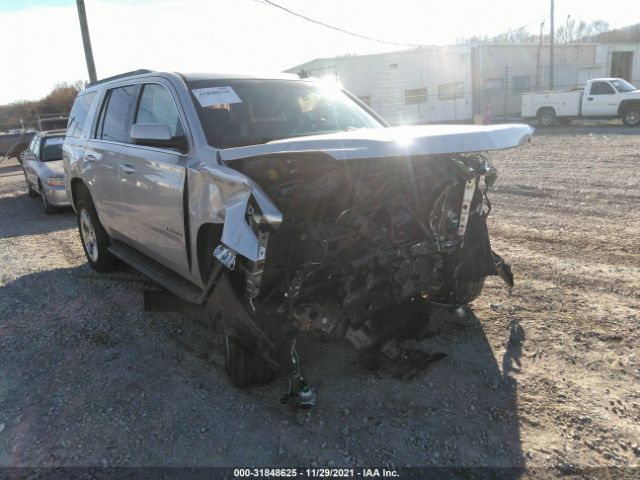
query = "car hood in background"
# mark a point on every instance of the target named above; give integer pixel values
(394, 142)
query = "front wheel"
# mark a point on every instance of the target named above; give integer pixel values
(631, 118)
(247, 368)
(95, 240)
(31, 191)
(48, 209)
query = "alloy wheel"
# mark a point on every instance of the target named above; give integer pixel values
(88, 235)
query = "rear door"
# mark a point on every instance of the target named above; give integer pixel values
(152, 181)
(102, 156)
(601, 100)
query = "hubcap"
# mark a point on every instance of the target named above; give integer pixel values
(546, 120)
(88, 235)
(633, 117)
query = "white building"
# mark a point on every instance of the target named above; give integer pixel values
(452, 83)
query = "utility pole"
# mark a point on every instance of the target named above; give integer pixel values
(505, 83)
(551, 39)
(538, 86)
(86, 41)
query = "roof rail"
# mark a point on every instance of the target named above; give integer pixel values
(121, 75)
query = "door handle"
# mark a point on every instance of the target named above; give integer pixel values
(90, 158)
(589, 99)
(128, 169)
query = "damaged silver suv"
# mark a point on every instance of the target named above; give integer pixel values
(281, 205)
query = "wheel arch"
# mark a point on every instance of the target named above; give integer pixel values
(541, 110)
(627, 105)
(208, 237)
(77, 185)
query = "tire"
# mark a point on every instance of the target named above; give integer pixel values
(48, 209)
(31, 192)
(547, 117)
(631, 118)
(461, 293)
(246, 368)
(95, 240)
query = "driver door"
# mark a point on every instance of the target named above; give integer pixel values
(601, 100)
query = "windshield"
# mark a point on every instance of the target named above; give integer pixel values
(236, 113)
(52, 149)
(623, 86)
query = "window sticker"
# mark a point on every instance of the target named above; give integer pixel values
(208, 97)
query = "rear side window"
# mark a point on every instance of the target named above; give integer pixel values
(157, 106)
(78, 114)
(114, 120)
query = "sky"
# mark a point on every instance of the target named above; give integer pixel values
(43, 46)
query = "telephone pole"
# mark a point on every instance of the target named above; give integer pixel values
(86, 41)
(551, 39)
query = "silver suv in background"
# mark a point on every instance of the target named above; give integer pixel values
(282, 204)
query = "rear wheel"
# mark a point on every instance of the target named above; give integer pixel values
(95, 240)
(547, 117)
(631, 117)
(461, 293)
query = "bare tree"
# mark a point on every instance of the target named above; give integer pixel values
(579, 31)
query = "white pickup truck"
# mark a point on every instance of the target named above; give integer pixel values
(600, 98)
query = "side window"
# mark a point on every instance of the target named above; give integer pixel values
(157, 106)
(601, 88)
(114, 118)
(78, 114)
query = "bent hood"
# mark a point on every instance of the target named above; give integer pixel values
(394, 142)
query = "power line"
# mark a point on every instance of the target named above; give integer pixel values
(338, 29)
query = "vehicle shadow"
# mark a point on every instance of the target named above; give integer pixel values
(461, 412)
(97, 362)
(22, 215)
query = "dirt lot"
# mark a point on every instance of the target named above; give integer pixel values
(548, 375)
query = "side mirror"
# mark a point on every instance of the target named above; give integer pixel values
(156, 135)
(28, 156)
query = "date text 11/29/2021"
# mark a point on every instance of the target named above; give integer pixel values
(315, 473)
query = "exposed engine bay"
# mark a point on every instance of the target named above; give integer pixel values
(361, 236)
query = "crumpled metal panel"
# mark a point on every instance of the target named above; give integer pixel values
(219, 194)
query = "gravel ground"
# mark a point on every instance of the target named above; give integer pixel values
(545, 376)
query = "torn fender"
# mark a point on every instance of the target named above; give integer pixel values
(220, 195)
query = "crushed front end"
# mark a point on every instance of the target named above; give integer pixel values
(362, 236)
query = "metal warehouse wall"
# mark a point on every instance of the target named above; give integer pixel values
(452, 83)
